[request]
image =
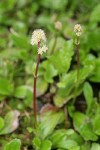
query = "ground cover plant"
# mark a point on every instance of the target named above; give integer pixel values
(67, 88)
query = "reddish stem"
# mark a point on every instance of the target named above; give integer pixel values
(34, 90)
(78, 57)
(78, 67)
(78, 62)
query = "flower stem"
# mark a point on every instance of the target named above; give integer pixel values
(34, 90)
(78, 59)
(78, 68)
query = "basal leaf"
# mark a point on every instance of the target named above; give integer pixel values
(62, 135)
(13, 145)
(11, 122)
(49, 122)
(88, 93)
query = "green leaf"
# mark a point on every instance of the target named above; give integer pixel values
(96, 124)
(13, 145)
(74, 148)
(95, 146)
(11, 54)
(63, 135)
(21, 91)
(5, 87)
(62, 139)
(57, 136)
(44, 19)
(49, 71)
(67, 85)
(49, 122)
(20, 40)
(67, 144)
(79, 120)
(85, 72)
(95, 14)
(85, 146)
(55, 43)
(46, 145)
(1, 123)
(82, 125)
(56, 5)
(60, 149)
(62, 58)
(93, 39)
(37, 143)
(96, 74)
(11, 122)
(87, 132)
(42, 86)
(42, 145)
(88, 93)
(10, 4)
(30, 130)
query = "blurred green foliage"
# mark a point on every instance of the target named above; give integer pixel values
(57, 74)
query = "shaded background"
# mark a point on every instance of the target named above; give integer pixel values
(18, 19)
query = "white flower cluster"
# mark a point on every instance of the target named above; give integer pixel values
(39, 36)
(78, 29)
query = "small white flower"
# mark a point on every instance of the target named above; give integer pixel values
(37, 36)
(58, 25)
(42, 49)
(78, 29)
